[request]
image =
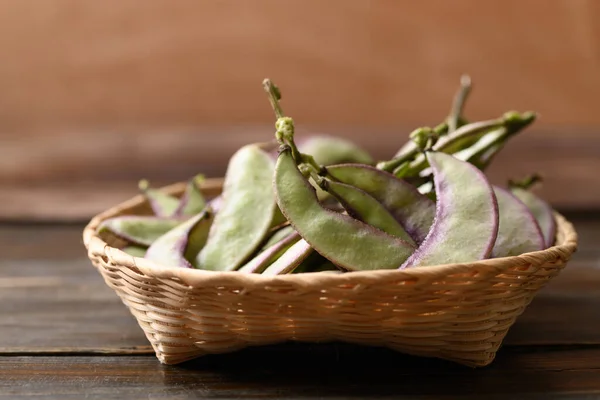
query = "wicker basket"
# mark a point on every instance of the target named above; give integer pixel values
(458, 312)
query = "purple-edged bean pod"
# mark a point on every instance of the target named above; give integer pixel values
(266, 257)
(162, 204)
(179, 246)
(139, 230)
(246, 214)
(518, 231)
(414, 211)
(192, 201)
(466, 219)
(541, 209)
(290, 260)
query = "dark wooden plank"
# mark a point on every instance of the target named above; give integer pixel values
(307, 372)
(587, 225)
(51, 298)
(61, 202)
(565, 312)
(69, 179)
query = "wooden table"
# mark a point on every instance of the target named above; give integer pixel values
(64, 334)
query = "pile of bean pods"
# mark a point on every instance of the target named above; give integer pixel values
(323, 204)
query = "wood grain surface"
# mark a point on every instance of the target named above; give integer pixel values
(51, 299)
(334, 372)
(64, 178)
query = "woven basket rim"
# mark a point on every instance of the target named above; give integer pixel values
(96, 246)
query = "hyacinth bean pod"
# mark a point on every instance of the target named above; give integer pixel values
(518, 231)
(192, 201)
(466, 221)
(179, 246)
(467, 135)
(364, 207)
(140, 230)
(215, 203)
(246, 213)
(541, 210)
(327, 150)
(269, 255)
(135, 251)
(162, 204)
(277, 235)
(414, 211)
(412, 161)
(335, 236)
(290, 260)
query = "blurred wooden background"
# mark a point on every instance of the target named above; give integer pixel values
(96, 95)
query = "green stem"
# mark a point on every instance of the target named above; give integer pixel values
(417, 162)
(417, 134)
(284, 125)
(310, 160)
(143, 185)
(484, 150)
(274, 97)
(424, 138)
(527, 182)
(515, 121)
(315, 174)
(304, 169)
(441, 129)
(459, 103)
(285, 128)
(394, 163)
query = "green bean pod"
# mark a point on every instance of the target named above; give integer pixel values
(414, 211)
(315, 263)
(277, 235)
(364, 207)
(246, 213)
(269, 255)
(411, 161)
(192, 201)
(215, 203)
(518, 230)
(328, 150)
(458, 140)
(343, 240)
(481, 154)
(179, 246)
(466, 221)
(135, 251)
(468, 135)
(290, 260)
(162, 204)
(140, 230)
(542, 212)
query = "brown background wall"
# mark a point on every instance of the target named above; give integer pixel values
(95, 95)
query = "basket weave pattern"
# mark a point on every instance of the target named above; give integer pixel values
(458, 312)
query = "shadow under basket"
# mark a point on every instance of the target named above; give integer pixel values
(458, 312)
